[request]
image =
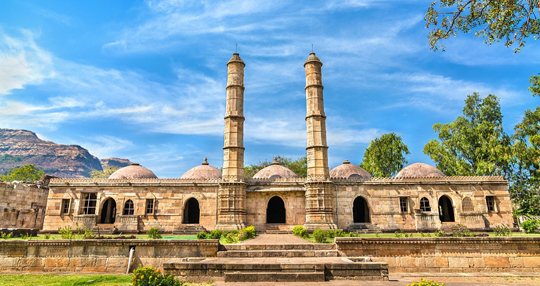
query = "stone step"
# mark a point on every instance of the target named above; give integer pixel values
(292, 246)
(278, 231)
(274, 276)
(278, 253)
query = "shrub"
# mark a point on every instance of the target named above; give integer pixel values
(335, 233)
(251, 232)
(66, 232)
(230, 238)
(320, 235)
(426, 283)
(215, 234)
(6, 235)
(530, 225)
(502, 229)
(148, 276)
(153, 233)
(300, 231)
(202, 235)
(398, 233)
(26, 236)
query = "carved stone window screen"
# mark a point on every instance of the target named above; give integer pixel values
(467, 205)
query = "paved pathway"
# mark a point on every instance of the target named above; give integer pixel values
(276, 239)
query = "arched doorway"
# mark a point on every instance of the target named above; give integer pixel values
(360, 210)
(192, 211)
(275, 213)
(108, 211)
(446, 211)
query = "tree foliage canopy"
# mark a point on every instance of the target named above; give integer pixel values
(385, 156)
(494, 20)
(474, 144)
(27, 173)
(96, 174)
(298, 166)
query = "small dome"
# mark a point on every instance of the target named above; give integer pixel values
(419, 170)
(134, 171)
(312, 58)
(275, 170)
(348, 170)
(204, 171)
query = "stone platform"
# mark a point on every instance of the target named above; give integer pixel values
(278, 258)
(278, 269)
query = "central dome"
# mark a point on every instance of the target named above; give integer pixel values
(348, 170)
(418, 170)
(275, 170)
(135, 171)
(203, 171)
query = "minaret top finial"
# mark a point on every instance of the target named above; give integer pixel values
(346, 162)
(275, 161)
(205, 161)
(236, 59)
(312, 58)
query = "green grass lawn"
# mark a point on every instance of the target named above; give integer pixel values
(71, 280)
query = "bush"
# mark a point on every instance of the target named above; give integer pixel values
(530, 225)
(251, 232)
(320, 235)
(48, 236)
(66, 232)
(502, 230)
(6, 235)
(230, 238)
(300, 231)
(215, 234)
(148, 276)
(202, 235)
(153, 233)
(335, 233)
(426, 283)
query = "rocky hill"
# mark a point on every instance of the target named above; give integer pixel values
(114, 162)
(22, 147)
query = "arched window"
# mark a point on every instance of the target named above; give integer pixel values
(129, 208)
(467, 205)
(424, 205)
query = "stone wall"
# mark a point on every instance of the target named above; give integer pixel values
(22, 205)
(170, 202)
(383, 199)
(97, 255)
(448, 254)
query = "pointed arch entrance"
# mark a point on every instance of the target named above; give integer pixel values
(275, 212)
(192, 212)
(361, 210)
(108, 211)
(446, 210)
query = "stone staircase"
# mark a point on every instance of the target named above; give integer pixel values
(275, 228)
(301, 262)
(278, 250)
(189, 229)
(363, 228)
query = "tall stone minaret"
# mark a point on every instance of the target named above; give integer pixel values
(232, 190)
(320, 210)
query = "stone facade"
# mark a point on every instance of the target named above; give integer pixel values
(421, 198)
(22, 205)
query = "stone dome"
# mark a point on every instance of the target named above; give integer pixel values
(348, 170)
(419, 170)
(275, 170)
(134, 171)
(203, 171)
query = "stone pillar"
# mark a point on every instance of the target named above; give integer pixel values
(232, 189)
(319, 189)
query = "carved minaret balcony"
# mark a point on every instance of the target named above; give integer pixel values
(320, 190)
(232, 190)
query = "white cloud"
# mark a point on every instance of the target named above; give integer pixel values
(104, 146)
(22, 62)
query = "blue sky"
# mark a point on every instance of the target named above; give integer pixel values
(145, 80)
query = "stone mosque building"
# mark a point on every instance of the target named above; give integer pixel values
(418, 198)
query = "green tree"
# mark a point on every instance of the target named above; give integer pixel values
(525, 179)
(475, 144)
(27, 173)
(385, 156)
(298, 166)
(494, 20)
(96, 174)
